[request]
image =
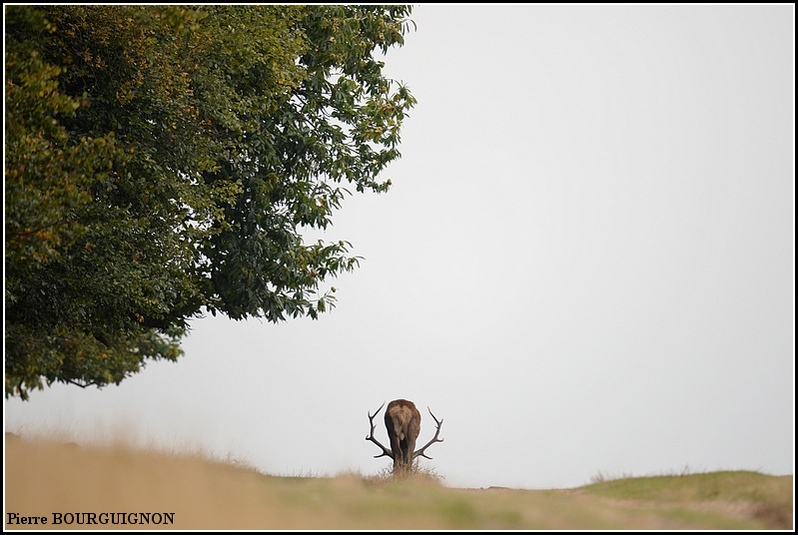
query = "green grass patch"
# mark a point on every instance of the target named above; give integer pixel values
(210, 494)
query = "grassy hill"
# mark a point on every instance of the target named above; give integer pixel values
(46, 478)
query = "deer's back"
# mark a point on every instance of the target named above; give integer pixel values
(403, 418)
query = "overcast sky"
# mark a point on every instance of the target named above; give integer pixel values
(585, 266)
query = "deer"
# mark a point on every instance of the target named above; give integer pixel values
(403, 422)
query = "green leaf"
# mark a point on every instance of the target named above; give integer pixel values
(164, 161)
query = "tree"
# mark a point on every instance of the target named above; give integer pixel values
(164, 161)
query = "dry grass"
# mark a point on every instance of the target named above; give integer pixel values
(740, 494)
(43, 478)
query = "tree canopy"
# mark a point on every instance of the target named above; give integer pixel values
(163, 162)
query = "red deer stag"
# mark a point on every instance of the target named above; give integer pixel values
(403, 422)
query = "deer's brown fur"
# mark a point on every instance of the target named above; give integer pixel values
(403, 422)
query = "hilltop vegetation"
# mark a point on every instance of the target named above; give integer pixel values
(44, 478)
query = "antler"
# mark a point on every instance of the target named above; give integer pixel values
(438, 423)
(385, 451)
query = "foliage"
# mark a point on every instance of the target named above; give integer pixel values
(163, 161)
